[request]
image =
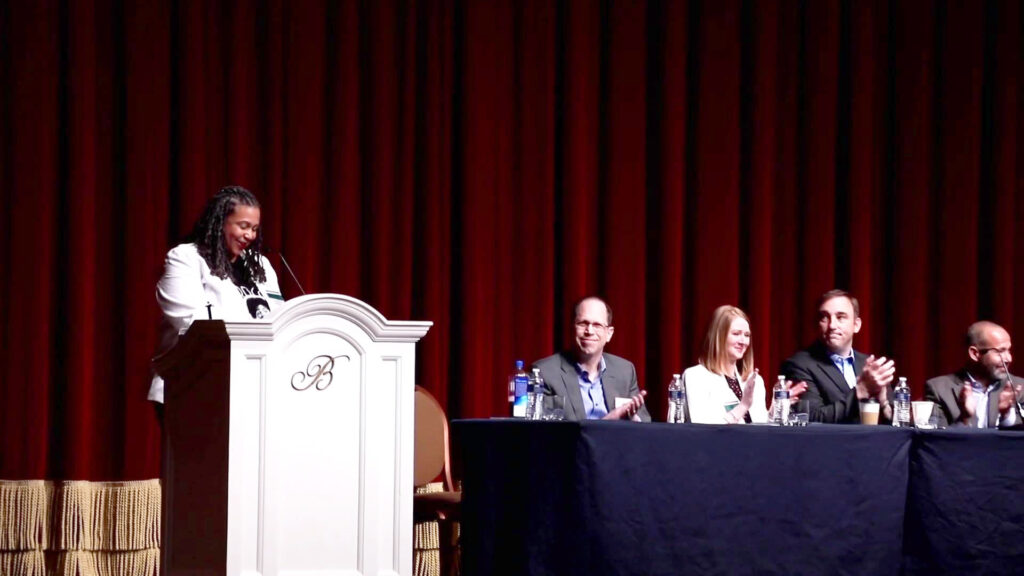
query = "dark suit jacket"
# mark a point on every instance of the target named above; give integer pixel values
(618, 381)
(828, 398)
(945, 392)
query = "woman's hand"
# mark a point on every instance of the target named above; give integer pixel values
(748, 390)
(739, 413)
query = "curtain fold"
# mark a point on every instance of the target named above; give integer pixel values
(485, 165)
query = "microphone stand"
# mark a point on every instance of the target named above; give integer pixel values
(1016, 392)
(289, 268)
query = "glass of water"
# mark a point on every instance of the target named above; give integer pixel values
(554, 407)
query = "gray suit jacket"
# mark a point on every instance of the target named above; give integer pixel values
(945, 392)
(618, 381)
(828, 398)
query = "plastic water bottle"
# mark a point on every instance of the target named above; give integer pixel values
(535, 396)
(676, 401)
(512, 386)
(517, 390)
(901, 405)
(780, 402)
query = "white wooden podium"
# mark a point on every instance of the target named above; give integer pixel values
(288, 443)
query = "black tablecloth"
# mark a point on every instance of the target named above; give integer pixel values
(965, 503)
(623, 498)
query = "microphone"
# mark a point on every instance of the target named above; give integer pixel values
(1016, 390)
(1017, 393)
(292, 274)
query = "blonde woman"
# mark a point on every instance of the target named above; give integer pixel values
(725, 388)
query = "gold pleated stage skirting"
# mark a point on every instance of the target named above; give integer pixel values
(107, 529)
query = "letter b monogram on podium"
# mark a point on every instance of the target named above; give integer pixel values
(288, 443)
(319, 373)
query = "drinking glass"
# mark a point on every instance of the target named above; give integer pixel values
(554, 408)
(923, 410)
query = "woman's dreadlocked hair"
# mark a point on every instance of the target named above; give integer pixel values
(208, 236)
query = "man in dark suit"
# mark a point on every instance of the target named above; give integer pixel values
(594, 385)
(980, 395)
(838, 377)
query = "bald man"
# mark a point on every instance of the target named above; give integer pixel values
(980, 395)
(595, 385)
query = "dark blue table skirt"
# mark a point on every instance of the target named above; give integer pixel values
(624, 498)
(965, 503)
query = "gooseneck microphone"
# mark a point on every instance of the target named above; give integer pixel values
(292, 274)
(1016, 391)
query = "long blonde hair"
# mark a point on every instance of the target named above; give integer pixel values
(713, 356)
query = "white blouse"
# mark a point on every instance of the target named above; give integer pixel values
(187, 287)
(709, 397)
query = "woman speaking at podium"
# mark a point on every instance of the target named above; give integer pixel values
(218, 273)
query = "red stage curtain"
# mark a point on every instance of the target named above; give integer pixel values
(485, 164)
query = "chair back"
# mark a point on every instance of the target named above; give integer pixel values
(431, 453)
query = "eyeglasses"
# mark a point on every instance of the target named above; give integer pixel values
(1000, 351)
(593, 326)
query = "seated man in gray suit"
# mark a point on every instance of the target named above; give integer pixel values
(837, 376)
(980, 395)
(589, 380)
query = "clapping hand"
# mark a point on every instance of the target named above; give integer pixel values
(630, 410)
(876, 376)
(748, 389)
(1007, 398)
(968, 403)
(795, 390)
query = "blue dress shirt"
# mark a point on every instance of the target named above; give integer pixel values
(592, 391)
(845, 366)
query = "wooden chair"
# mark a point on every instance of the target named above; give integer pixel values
(432, 459)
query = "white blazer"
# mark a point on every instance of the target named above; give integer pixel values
(708, 395)
(185, 289)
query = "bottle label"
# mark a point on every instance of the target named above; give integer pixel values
(903, 396)
(521, 383)
(782, 394)
(519, 406)
(675, 395)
